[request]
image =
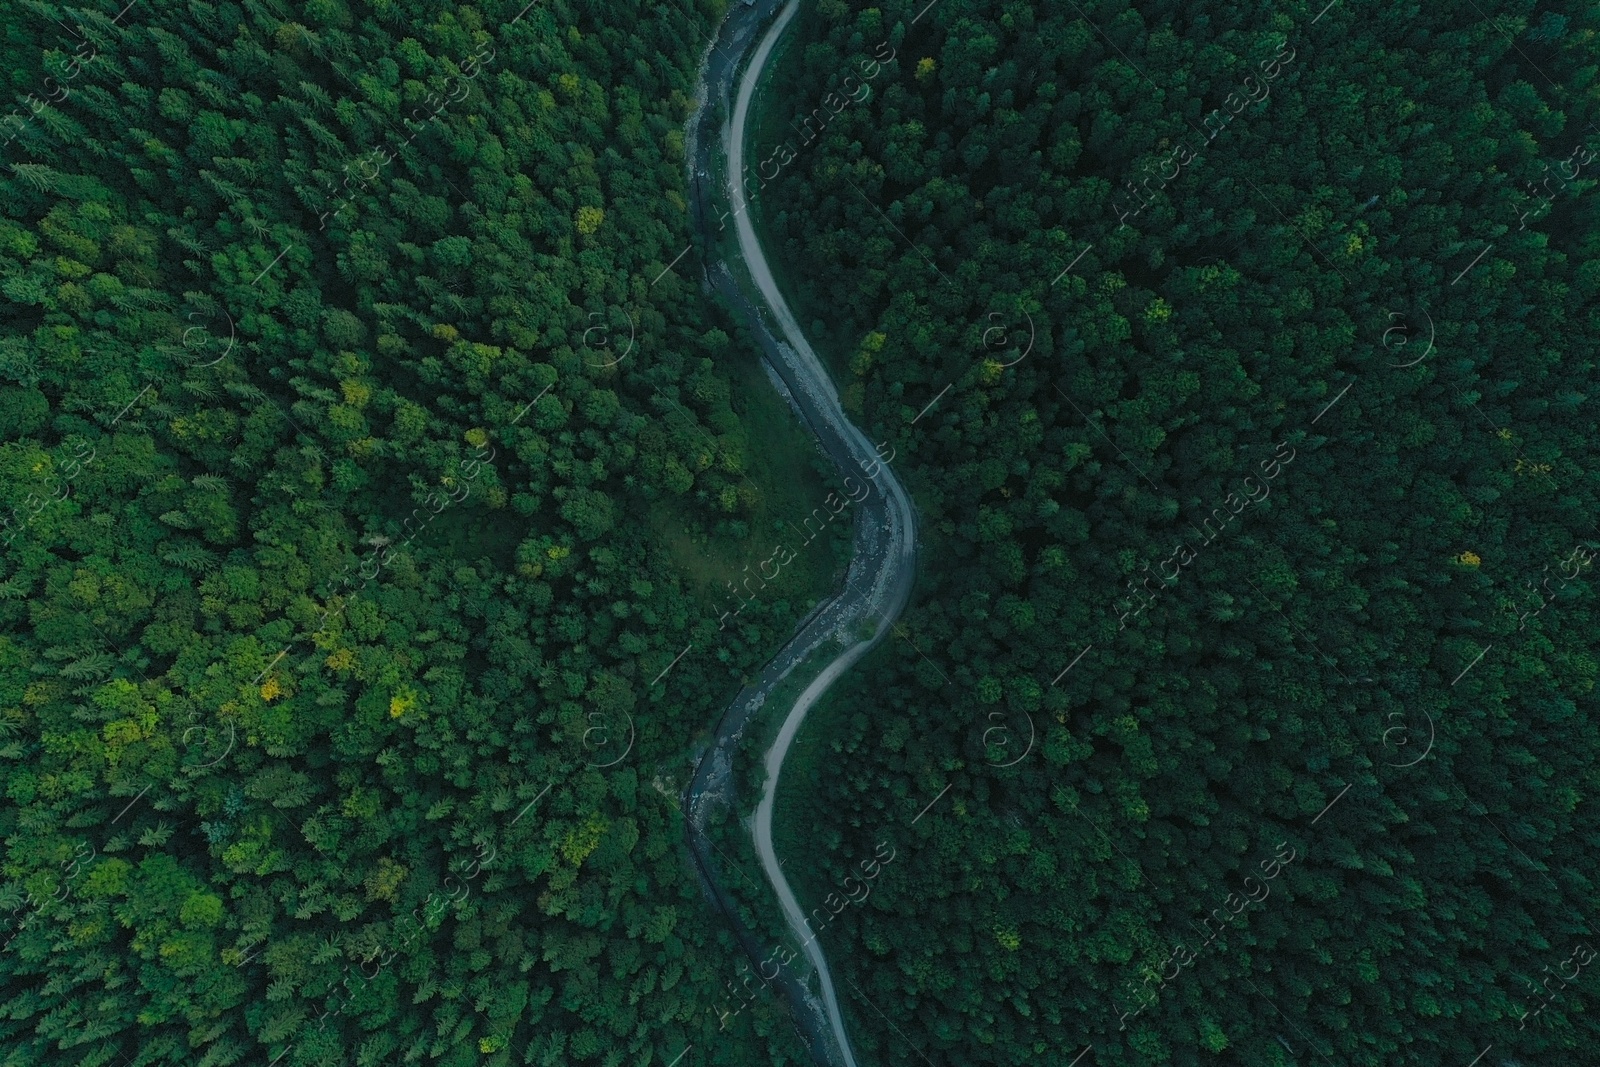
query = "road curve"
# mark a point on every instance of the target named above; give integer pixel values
(878, 581)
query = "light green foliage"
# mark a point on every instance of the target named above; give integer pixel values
(315, 603)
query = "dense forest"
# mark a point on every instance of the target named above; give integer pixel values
(374, 474)
(1242, 361)
(377, 482)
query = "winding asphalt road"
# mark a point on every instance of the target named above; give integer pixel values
(878, 581)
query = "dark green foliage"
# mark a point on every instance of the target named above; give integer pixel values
(1231, 685)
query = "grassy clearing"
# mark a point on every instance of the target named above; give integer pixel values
(788, 470)
(468, 533)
